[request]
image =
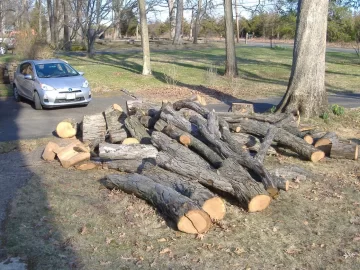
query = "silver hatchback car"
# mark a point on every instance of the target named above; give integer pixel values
(50, 83)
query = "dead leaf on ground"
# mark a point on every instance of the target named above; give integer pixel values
(239, 251)
(162, 240)
(83, 230)
(165, 250)
(292, 250)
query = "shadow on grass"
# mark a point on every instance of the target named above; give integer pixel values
(27, 226)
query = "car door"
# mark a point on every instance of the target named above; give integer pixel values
(25, 86)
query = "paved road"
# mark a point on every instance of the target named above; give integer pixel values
(21, 121)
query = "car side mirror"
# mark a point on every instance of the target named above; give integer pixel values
(28, 77)
(81, 73)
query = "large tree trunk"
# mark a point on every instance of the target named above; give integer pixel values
(67, 45)
(197, 22)
(144, 38)
(179, 18)
(183, 211)
(172, 18)
(306, 90)
(108, 151)
(230, 66)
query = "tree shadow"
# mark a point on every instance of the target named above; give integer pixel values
(28, 229)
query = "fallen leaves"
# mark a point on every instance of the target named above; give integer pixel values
(292, 250)
(165, 250)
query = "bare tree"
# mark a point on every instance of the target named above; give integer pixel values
(230, 65)
(144, 38)
(172, 19)
(197, 22)
(66, 11)
(306, 90)
(179, 19)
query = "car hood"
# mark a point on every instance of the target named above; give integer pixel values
(64, 82)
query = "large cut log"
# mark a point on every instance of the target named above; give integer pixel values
(344, 150)
(183, 211)
(50, 150)
(115, 119)
(197, 145)
(69, 156)
(109, 151)
(148, 121)
(292, 173)
(304, 135)
(137, 130)
(229, 148)
(255, 198)
(141, 107)
(128, 165)
(243, 108)
(67, 128)
(160, 125)
(94, 127)
(208, 201)
(326, 141)
(284, 138)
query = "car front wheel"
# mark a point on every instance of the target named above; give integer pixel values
(17, 97)
(37, 101)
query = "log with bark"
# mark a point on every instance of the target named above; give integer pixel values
(187, 215)
(148, 121)
(115, 119)
(325, 142)
(208, 201)
(344, 150)
(128, 165)
(137, 130)
(94, 127)
(242, 108)
(160, 125)
(141, 107)
(109, 151)
(292, 173)
(67, 128)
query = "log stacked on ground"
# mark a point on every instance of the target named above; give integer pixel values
(94, 127)
(115, 120)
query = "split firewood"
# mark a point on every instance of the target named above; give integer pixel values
(208, 201)
(344, 150)
(67, 128)
(142, 108)
(243, 108)
(94, 127)
(284, 138)
(130, 141)
(187, 215)
(325, 142)
(128, 165)
(109, 151)
(50, 151)
(137, 130)
(68, 156)
(115, 120)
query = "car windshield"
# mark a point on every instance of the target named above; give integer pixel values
(55, 70)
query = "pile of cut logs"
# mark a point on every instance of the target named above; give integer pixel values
(181, 157)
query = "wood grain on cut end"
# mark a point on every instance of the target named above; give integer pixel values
(185, 225)
(200, 220)
(259, 203)
(215, 207)
(322, 141)
(308, 139)
(66, 129)
(185, 140)
(75, 159)
(356, 152)
(130, 141)
(317, 155)
(117, 107)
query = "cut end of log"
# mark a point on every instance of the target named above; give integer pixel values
(317, 155)
(194, 221)
(356, 152)
(66, 129)
(86, 166)
(308, 139)
(215, 207)
(287, 185)
(117, 107)
(185, 140)
(322, 141)
(259, 203)
(130, 141)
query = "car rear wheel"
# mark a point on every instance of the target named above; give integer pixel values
(37, 101)
(17, 97)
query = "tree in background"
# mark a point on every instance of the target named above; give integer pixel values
(306, 90)
(144, 38)
(179, 19)
(230, 65)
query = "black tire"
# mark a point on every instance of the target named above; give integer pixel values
(17, 97)
(37, 101)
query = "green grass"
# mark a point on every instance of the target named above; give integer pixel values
(5, 90)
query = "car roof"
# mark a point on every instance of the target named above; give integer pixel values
(45, 61)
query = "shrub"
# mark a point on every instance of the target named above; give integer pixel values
(337, 110)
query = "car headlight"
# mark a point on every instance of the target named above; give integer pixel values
(85, 84)
(47, 87)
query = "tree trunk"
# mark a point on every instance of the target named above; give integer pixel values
(144, 38)
(172, 18)
(109, 151)
(67, 44)
(230, 65)
(197, 22)
(94, 127)
(306, 90)
(237, 22)
(141, 107)
(137, 130)
(184, 212)
(208, 201)
(179, 17)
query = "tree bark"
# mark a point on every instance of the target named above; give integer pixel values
(144, 38)
(109, 151)
(115, 119)
(67, 44)
(184, 212)
(197, 22)
(128, 165)
(179, 17)
(231, 63)
(137, 130)
(208, 201)
(344, 150)
(306, 90)
(142, 107)
(94, 127)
